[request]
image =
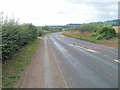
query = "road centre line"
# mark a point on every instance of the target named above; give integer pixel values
(94, 52)
(117, 61)
(90, 50)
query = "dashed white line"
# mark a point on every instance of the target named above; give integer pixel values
(92, 50)
(117, 61)
(79, 46)
(105, 55)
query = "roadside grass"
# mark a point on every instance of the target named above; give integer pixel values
(112, 42)
(12, 69)
(86, 38)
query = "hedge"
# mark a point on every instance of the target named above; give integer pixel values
(15, 36)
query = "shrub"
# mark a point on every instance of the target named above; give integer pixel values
(104, 32)
(15, 36)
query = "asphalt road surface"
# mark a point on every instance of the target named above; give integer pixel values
(66, 62)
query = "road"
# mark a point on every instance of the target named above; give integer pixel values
(64, 62)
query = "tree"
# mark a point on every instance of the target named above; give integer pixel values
(45, 28)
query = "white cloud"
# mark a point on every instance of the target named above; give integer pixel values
(79, 1)
(56, 12)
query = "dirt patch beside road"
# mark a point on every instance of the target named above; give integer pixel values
(44, 71)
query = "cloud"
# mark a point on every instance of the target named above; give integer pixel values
(107, 10)
(60, 12)
(88, 1)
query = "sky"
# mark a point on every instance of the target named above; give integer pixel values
(59, 12)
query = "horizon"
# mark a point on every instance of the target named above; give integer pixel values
(79, 23)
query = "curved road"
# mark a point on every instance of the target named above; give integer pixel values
(80, 64)
(85, 64)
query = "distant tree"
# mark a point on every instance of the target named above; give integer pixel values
(59, 29)
(45, 28)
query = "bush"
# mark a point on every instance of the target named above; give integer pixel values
(104, 32)
(15, 36)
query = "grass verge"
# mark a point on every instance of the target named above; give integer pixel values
(13, 68)
(82, 37)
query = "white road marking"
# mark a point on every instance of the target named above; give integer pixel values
(80, 47)
(117, 61)
(105, 55)
(92, 50)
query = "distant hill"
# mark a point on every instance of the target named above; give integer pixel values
(110, 22)
(64, 26)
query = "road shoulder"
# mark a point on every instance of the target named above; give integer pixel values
(44, 71)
